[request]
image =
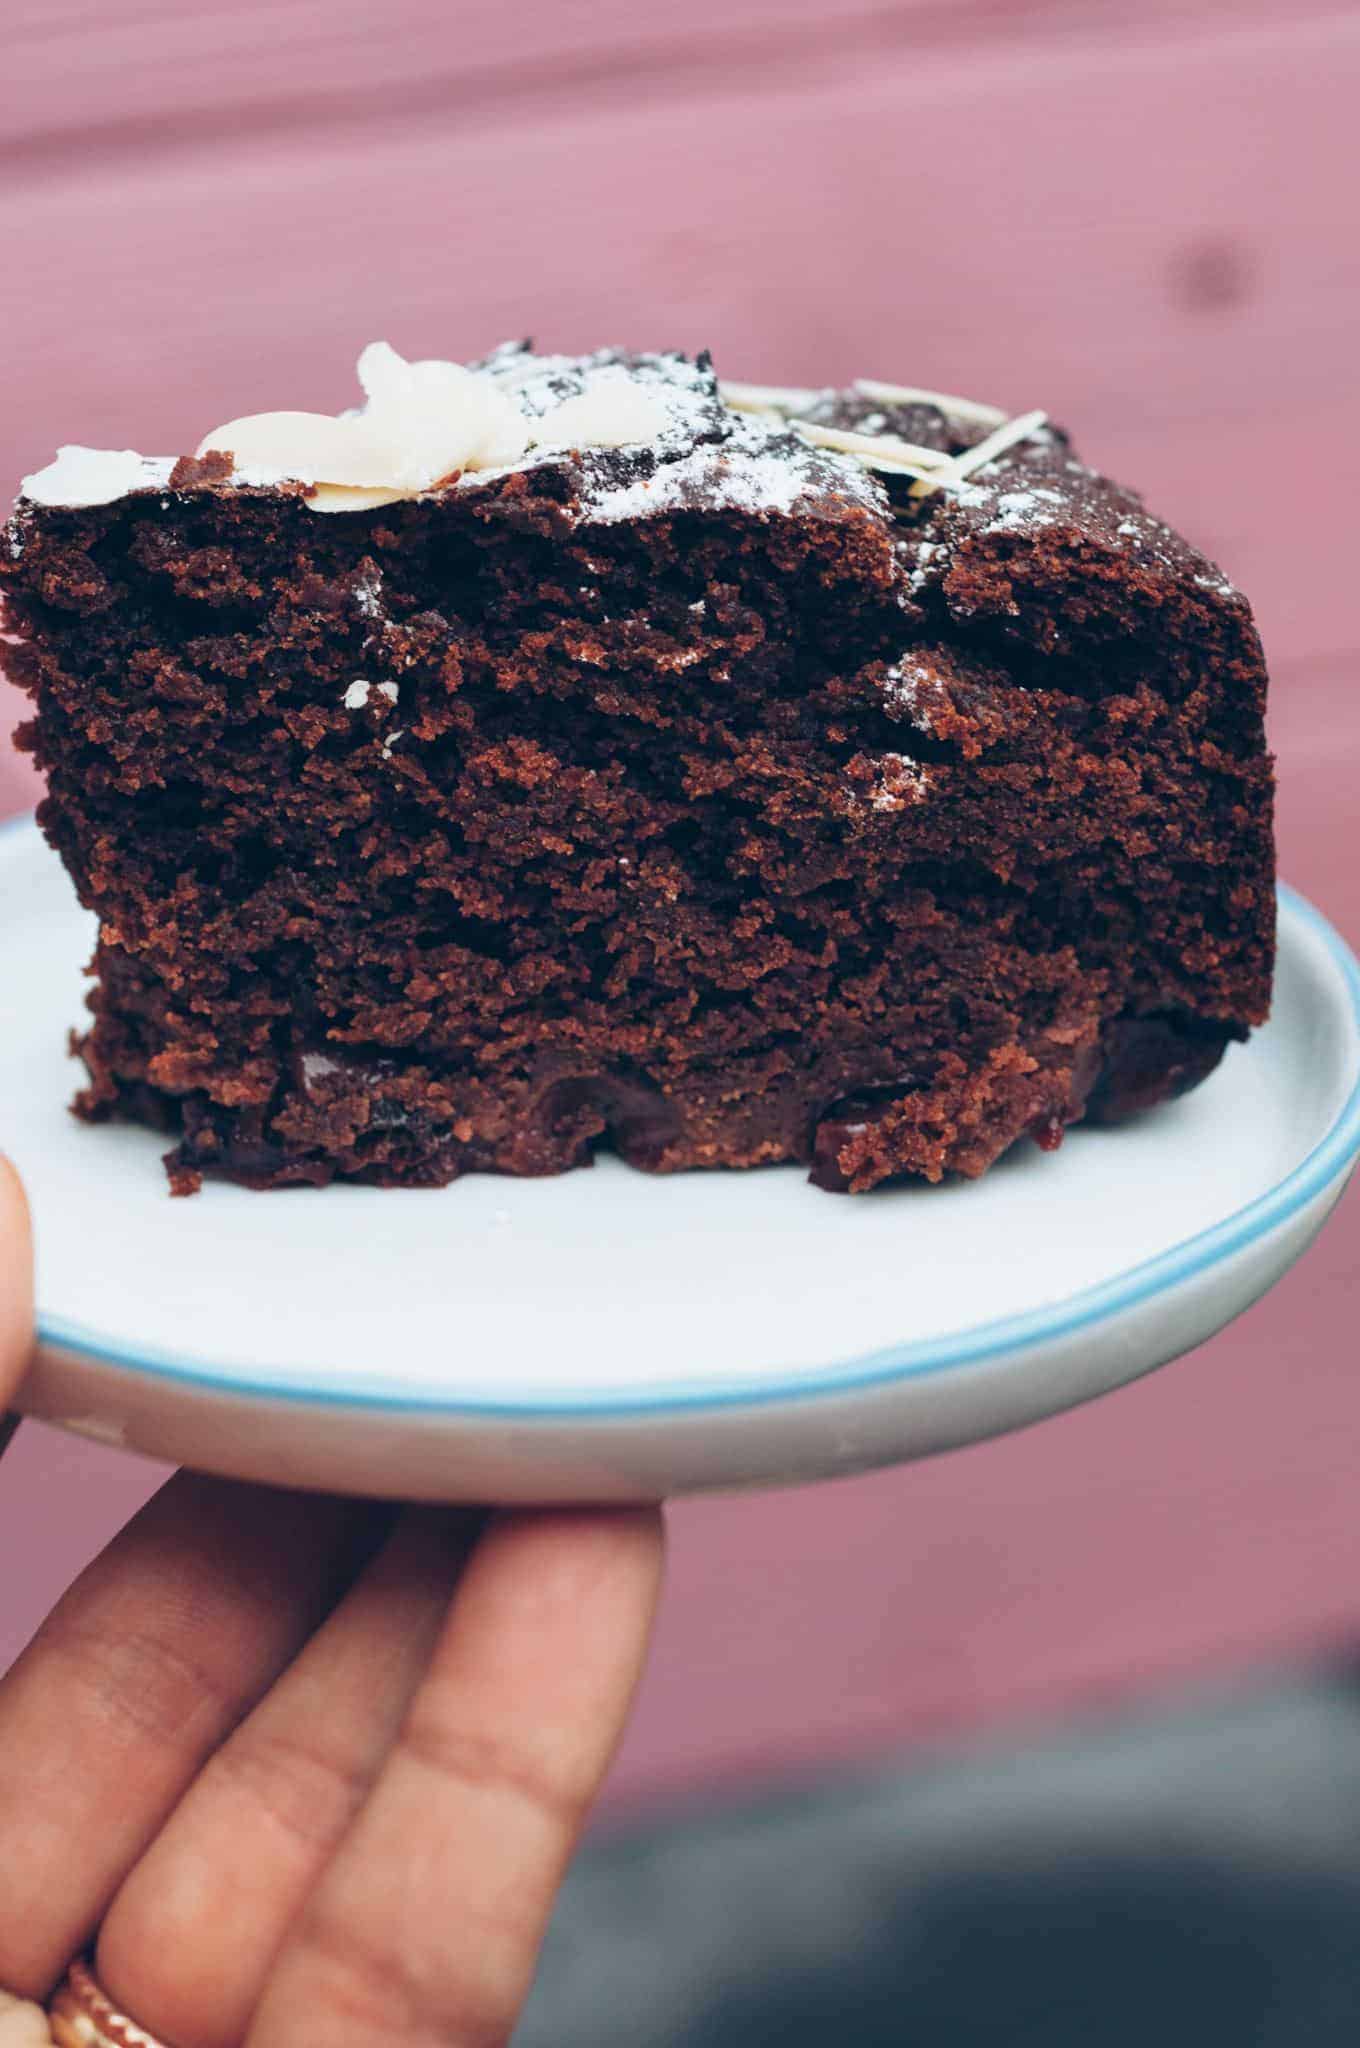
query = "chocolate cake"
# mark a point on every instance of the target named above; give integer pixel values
(570, 753)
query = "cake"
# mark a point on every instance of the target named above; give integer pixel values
(567, 753)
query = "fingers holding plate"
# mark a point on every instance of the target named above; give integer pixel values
(192, 1935)
(160, 1648)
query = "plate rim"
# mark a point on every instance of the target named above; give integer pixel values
(976, 1345)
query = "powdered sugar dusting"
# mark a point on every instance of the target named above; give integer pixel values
(757, 470)
(900, 783)
(648, 435)
(924, 565)
(682, 395)
(367, 591)
(1043, 493)
(1018, 510)
(905, 686)
(1213, 579)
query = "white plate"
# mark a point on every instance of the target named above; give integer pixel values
(609, 1335)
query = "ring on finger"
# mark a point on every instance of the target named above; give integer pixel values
(82, 2015)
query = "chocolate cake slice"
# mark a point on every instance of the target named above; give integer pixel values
(574, 752)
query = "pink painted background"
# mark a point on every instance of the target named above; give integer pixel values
(1146, 225)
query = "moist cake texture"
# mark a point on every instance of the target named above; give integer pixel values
(716, 775)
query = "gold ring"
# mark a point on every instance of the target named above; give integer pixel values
(82, 2015)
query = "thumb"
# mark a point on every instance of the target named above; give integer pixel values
(16, 1288)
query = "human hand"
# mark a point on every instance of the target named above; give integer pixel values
(305, 1772)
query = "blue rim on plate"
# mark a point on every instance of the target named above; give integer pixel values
(982, 1344)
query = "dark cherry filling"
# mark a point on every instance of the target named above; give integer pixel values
(1148, 1060)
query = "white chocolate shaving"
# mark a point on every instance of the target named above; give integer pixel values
(1019, 429)
(915, 394)
(981, 453)
(879, 451)
(932, 469)
(779, 401)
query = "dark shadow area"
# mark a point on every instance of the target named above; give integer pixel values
(1185, 1877)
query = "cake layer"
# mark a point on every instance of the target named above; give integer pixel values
(718, 818)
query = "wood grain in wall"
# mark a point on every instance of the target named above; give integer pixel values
(1144, 222)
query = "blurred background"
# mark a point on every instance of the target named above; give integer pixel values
(1142, 218)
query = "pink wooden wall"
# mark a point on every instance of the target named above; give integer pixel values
(1146, 225)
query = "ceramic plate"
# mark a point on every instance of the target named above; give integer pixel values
(610, 1335)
